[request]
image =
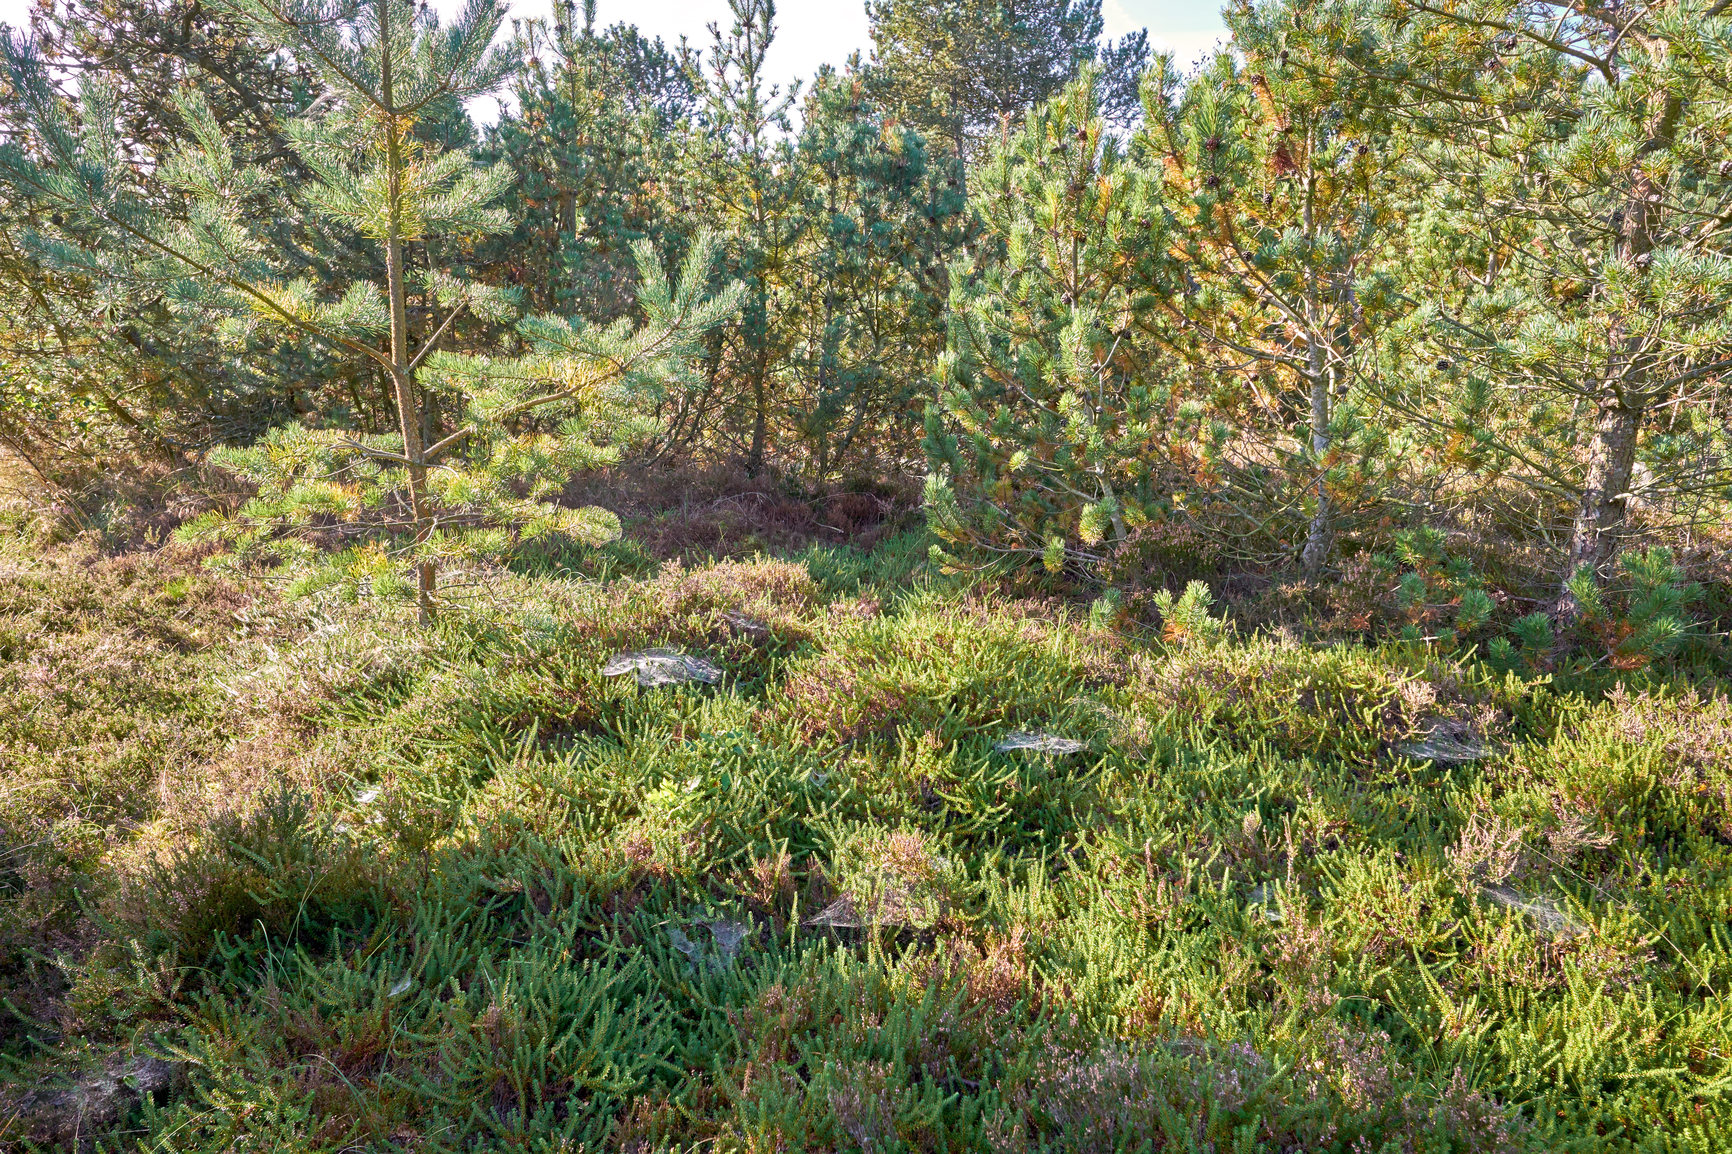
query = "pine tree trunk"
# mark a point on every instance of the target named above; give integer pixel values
(1316, 549)
(760, 421)
(760, 398)
(1618, 425)
(1600, 515)
(402, 377)
(409, 421)
(1319, 364)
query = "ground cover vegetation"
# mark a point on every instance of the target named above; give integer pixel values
(1010, 595)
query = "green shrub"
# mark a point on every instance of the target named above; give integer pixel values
(278, 870)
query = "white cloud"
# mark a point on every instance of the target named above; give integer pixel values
(1118, 19)
(1188, 29)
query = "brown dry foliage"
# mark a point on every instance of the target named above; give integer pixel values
(1693, 729)
(771, 881)
(833, 700)
(738, 604)
(687, 511)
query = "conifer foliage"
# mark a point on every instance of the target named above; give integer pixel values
(384, 68)
(879, 214)
(742, 173)
(1576, 260)
(593, 137)
(1284, 179)
(1375, 266)
(1059, 423)
(965, 72)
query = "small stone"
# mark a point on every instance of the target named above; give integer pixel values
(742, 624)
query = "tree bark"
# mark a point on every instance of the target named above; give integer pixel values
(1322, 366)
(760, 420)
(402, 377)
(1600, 515)
(1624, 401)
(1316, 550)
(760, 400)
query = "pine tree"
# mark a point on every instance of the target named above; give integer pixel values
(1285, 181)
(742, 176)
(389, 69)
(879, 223)
(185, 384)
(147, 50)
(1062, 426)
(593, 145)
(1578, 256)
(959, 70)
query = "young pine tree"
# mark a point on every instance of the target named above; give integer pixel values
(743, 178)
(447, 483)
(879, 222)
(960, 72)
(1283, 177)
(1578, 261)
(1061, 425)
(593, 144)
(160, 383)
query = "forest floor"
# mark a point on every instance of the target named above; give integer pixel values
(293, 875)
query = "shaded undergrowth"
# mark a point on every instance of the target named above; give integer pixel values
(377, 888)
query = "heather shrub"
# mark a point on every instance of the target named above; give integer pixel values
(1346, 1093)
(760, 602)
(1117, 1097)
(453, 885)
(929, 666)
(1339, 700)
(893, 878)
(108, 703)
(276, 869)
